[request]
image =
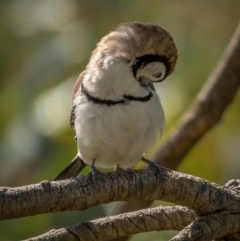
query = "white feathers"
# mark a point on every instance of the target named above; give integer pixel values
(116, 134)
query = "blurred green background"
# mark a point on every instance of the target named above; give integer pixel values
(44, 45)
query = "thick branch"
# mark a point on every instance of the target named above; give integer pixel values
(212, 226)
(152, 219)
(81, 193)
(222, 224)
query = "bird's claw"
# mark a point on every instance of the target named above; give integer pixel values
(154, 165)
(94, 172)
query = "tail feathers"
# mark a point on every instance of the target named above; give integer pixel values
(72, 170)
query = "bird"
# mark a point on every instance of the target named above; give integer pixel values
(116, 113)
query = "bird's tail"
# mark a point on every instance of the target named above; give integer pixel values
(72, 170)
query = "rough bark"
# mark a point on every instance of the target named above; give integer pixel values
(81, 193)
(160, 218)
(214, 211)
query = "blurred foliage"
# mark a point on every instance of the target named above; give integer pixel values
(44, 45)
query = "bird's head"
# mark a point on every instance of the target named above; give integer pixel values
(148, 49)
(129, 59)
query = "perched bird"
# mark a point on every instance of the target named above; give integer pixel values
(116, 113)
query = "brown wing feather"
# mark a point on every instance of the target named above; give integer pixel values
(75, 92)
(77, 164)
(77, 85)
(72, 116)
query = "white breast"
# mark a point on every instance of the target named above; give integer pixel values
(118, 134)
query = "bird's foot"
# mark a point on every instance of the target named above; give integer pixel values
(94, 172)
(154, 165)
(117, 168)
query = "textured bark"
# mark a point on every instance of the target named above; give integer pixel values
(218, 208)
(211, 226)
(81, 193)
(160, 218)
(206, 111)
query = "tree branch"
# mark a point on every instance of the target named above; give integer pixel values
(218, 207)
(212, 226)
(222, 224)
(152, 219)
(81, 193)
